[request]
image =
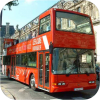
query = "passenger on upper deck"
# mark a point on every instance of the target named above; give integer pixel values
(48, 27)
(59, 26)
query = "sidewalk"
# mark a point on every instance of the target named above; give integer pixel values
(4, 90)
(1, 74)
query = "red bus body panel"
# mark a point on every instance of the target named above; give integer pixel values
(72, 82)
(73, 40)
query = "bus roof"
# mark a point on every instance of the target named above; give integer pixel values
(62, 10)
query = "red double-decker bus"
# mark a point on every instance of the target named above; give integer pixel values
(60, 58)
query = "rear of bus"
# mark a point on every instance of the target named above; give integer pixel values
(73, 52)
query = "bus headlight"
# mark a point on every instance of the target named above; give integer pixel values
(91, 82)
(59, 83)
(63, 83)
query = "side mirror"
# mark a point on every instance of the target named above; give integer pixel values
(51, 48)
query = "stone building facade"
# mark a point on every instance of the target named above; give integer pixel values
(82, 6)
(6, 31)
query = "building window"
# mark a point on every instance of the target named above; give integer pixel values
(69, 23)
(78, 9)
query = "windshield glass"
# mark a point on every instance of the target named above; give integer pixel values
(72, 61)
(73, 22)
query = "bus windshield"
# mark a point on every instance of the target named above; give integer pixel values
(72, 61)
(73, 23)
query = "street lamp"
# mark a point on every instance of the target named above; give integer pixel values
(62, 3)
(1, 19)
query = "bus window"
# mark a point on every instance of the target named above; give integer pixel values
(73, 22)
(6, 60)
(23, 59)
(18, 60)
(45, 25)
(72, 61)
(31, 59)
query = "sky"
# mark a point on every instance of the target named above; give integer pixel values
(26, 11)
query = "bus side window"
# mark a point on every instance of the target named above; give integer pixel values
(45, 25)
(31, 59)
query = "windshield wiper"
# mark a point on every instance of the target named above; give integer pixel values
(67, 75)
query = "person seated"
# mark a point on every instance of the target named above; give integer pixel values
(48, 27)
(41, 29)
(59, 26)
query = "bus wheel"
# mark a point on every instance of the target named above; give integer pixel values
(32, 82)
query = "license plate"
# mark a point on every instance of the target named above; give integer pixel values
(78, 89)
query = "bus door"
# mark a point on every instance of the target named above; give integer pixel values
(44, 60)
(13, 66)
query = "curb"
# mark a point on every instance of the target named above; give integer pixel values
(7, 93)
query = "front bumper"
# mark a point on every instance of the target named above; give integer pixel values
(73, 86)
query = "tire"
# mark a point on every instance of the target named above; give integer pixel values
(32, 82)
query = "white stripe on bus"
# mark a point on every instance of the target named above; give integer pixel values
(45, 42)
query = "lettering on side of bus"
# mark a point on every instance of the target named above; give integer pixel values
(37, 41)
(38, 47)
(20, 48)
(36, 44)
(17, 77)
(29, 46)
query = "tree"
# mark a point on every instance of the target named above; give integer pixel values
(12, 3)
